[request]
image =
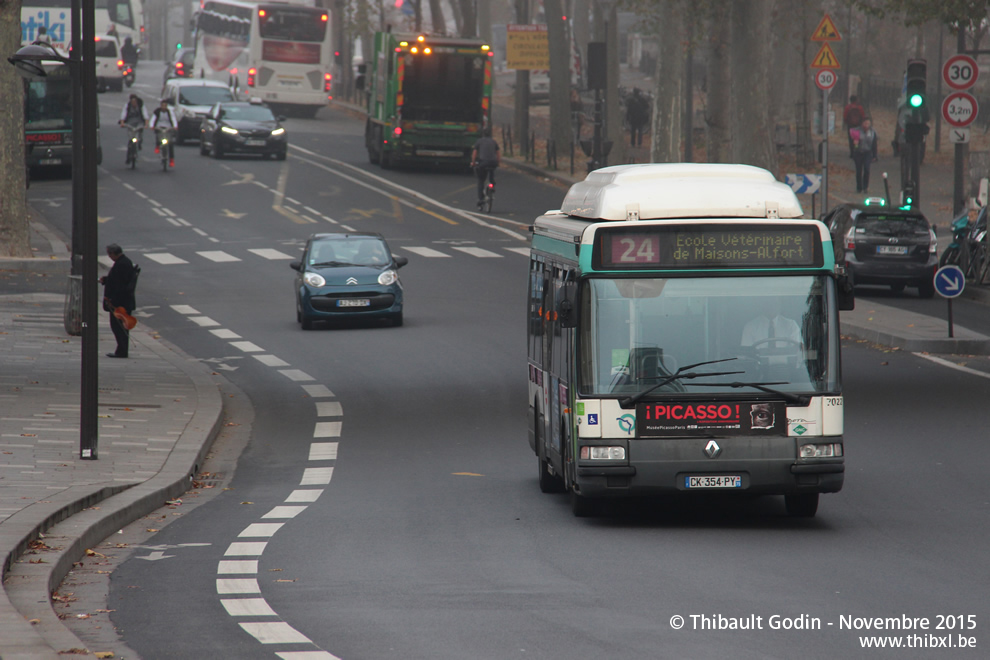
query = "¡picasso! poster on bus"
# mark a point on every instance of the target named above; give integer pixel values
(664, 419)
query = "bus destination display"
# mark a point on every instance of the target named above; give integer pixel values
(725, 246)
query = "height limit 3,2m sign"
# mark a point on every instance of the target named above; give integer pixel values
(959, 109)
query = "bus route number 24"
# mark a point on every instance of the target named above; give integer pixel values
(635, 250)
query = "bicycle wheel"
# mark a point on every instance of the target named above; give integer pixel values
(132, 155)
(489, 199)
(950, 256)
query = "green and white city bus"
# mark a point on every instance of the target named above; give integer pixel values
(683, 337)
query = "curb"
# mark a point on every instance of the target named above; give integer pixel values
(73, 517)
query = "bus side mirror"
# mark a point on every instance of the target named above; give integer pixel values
(567, 307)
(844, 289)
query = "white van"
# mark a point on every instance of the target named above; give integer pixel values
(109, 65)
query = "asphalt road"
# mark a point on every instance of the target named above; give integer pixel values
(430, 538)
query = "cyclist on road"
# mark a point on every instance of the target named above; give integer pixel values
(136, 115)
(485, 158)
(163, 117)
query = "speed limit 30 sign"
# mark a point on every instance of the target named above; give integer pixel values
(960, 72)
(825, 79)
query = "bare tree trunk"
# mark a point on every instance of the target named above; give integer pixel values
(469, 23)
(752, 128)
(581, 32)
(15, 238)
(613, 103)
(717, 143)
(436, 17)
(668, 99)
(560, 131)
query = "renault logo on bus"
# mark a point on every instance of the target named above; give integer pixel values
(712, 449)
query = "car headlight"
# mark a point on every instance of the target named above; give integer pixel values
(278, 131)
(229, 130)
(388, 277)
(314, 279)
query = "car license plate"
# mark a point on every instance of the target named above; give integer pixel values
(254, 143)
(892, 249)
(354, 302)
(720, 481)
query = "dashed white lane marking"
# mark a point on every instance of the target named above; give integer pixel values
(274, 632)
(223, 333)
(327, 430)
(271, 361)
(524, 251)
(317, 391)
(269, 253)
(238, 586)
(247, 607)
(245, 549)
(185, 309)
(426, 252)
(200, 231)
(260, 529)
(165, 259)
(316, 477)
(219, 256)
(203, 321)
(284, 512)
(246, 346)
(237, 566)
(328, 409)
(323, 451)
(296, 374)
(304, 495)
(306, 655)
(478, 252)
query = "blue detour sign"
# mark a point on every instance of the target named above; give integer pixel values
(804, 184)
(950, 281)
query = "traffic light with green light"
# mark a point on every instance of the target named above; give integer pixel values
(916, 82)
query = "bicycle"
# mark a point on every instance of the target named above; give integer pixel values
(163, 136)
(488, 192)
(133, 142)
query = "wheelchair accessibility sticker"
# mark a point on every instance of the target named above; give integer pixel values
(592, 419)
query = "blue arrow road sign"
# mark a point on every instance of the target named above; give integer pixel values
(950, 281)
(804, 184)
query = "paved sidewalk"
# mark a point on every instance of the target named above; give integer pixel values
(158, 413)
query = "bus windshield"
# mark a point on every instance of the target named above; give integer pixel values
(48, 104)
(774, 331)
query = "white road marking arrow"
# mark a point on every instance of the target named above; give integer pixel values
(155, 556)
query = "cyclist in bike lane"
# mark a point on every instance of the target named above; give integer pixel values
(136, 115)
(164, 117)
(485, 158)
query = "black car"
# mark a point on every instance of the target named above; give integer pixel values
(883, 245)
(238, 127)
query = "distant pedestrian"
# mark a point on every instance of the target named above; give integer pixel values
(852, 116)
(638, 115)
(577, 114)
(118, 292)
(864, 153)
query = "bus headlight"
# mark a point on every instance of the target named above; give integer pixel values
(830, 450)
(388, 277)
(603, 453)
(314, 279)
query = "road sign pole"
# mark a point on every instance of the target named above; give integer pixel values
(959, 162)
(824, 151)
(950, 317)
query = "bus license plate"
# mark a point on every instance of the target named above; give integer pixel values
(356, 302)
(254, 143)
(892, 249)
(720, 481)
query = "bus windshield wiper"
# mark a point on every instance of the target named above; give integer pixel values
(801, 399)
(680, 374)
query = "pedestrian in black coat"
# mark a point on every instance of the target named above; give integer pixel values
(118, 291)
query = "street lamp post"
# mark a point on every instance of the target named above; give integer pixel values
(29, 63)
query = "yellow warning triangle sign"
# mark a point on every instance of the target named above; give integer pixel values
(825, 59)
(826, 31)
